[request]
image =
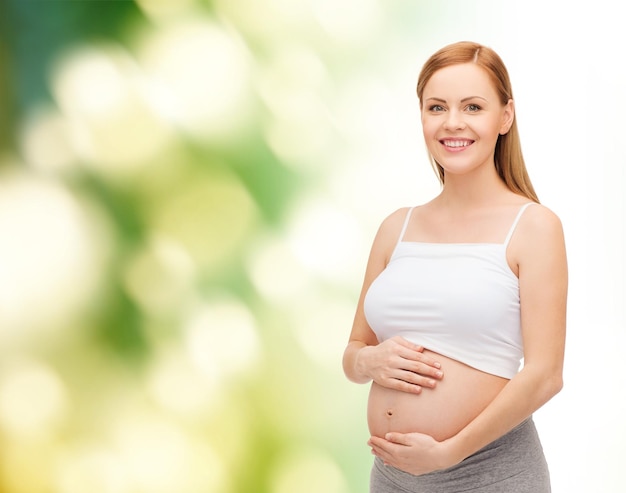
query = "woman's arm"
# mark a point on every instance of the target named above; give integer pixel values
(543, 297)
(395, 363)
(539, 251)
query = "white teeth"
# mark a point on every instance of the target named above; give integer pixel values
(456, 143)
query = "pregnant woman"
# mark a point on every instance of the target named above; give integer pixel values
(457, 293)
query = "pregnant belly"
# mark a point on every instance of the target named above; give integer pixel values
(440, 412)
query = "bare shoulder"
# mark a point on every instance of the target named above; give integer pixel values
(389, 232)
(394, 221)
(539, 234)
(539, 221)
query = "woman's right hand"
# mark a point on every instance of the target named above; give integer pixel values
(399, 364)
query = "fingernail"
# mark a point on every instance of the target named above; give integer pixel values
(439, 374)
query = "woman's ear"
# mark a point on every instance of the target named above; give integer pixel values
(507, 117)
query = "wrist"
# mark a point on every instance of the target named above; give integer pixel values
(361, 365)
(452, 452)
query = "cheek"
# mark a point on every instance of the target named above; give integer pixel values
(428, 127)
(490, 128)
(497, 128)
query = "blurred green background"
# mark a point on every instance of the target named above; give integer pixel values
(180, 253)
(188, 193)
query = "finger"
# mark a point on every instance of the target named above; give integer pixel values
(422, 359)
(427, 360)
(413, 378)
(397, 438)
(375, 444)
(413, 360)
(416, 356)
(408, 344)
(404, 386)
(380, 447)
(378, 453)
(374, 441)
(426, 370)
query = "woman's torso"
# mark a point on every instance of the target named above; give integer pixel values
(457, 299)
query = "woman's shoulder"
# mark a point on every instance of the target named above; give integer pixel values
(390, 228)
(538, 238)
(539, 230)
(398, 216)
(538, 219)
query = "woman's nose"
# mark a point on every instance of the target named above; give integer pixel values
(454, 121)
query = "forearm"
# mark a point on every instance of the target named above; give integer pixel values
(530, 389)
(355, 372)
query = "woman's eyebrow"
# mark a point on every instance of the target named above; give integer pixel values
(472, 97)
(462, 100)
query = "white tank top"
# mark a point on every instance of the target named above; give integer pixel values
(460, 300)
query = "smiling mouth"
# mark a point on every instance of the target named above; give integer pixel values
(456, 143)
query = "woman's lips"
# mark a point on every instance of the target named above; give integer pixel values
(456, 145)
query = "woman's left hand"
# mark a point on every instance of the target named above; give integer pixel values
(415, 453)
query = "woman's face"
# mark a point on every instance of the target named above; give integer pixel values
(462, 117)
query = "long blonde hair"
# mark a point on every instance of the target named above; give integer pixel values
(508, 157)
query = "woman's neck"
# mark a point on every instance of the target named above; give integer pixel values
(465, 191)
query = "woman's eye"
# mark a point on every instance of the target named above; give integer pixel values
(472, 108)
(436, 108)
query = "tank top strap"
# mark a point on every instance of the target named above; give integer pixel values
(406, 223)
(514, 225)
